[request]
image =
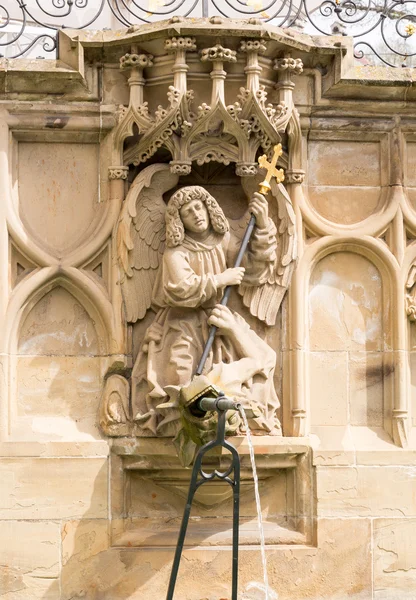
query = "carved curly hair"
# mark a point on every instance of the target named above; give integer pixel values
(175, 231)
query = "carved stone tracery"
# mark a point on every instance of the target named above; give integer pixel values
(193, 134)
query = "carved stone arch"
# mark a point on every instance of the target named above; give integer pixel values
(393, 302)
(373, 249)
(128, 119)
(371, 225)
(29, 292)
(23, 242)
(59, 333)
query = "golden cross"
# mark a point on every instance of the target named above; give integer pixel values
(271, 169)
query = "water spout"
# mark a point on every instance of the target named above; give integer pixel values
(258, 505)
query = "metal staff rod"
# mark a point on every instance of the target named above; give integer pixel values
(224, 301)
(264, 189)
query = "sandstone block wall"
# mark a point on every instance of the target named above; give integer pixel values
(79, 521)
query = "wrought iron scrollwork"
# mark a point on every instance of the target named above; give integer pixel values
(381, 28)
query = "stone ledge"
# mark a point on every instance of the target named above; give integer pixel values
(54, 449)
(355, 446)
(207, 532)
(36, 77)
(263, 445)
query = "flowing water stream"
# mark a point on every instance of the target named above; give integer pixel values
(257, 495)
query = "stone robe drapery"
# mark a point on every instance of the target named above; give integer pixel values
(184, 293)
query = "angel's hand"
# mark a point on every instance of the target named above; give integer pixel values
(232, 276)
(223, 318)
(259, 207)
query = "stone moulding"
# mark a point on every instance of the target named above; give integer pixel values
(118, 172)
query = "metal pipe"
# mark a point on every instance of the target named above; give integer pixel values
(227, 292)
(220, 403)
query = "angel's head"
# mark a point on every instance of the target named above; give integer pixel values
(192, 209)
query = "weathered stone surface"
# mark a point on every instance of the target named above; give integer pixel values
(64, 203)
(343, 204)
(336, 193)
(58, 325)
(366, 491)
(345, 304)
(333, 445)
(48, 488)
(339, 567)
(30, 560)
(394, 559)
(54, 449)
(58, 398)
(329, 374)
(366, 388)
(358, 163)
(410, 155)
(58, 379)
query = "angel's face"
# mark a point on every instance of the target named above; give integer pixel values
(194, 216)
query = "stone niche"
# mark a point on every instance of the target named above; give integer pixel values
(197, 111)
(58, 371)
(346, 341)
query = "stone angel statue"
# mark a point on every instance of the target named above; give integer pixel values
(176, 259)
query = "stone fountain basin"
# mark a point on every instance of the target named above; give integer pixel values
(156, 486)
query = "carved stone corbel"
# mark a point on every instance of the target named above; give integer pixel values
(114, 412)
(299, 422)
(288, 65)
(117, 176)
(180, 167)
(246, 169)
(294, 176)
(410, 297)
(399, 425)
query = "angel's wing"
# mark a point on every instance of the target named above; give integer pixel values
(264, 300)
(141, 237)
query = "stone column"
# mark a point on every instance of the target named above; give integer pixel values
(218, 56)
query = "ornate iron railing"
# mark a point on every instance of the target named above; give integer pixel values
(383, 30)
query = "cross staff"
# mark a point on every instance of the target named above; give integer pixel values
(271, 169)
(264, 188)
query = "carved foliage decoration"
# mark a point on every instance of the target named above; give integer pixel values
(411, 294)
